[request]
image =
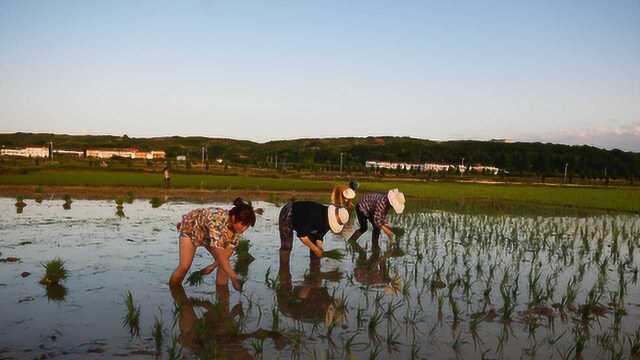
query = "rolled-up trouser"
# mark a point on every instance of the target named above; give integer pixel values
(285, 224)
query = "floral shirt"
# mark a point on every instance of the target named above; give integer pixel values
(209, 227)
(375, 207)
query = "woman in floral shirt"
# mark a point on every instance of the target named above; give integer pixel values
(218, 231)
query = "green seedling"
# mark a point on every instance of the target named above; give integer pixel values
(132, 317)
(196, 278)
(334, 254)
(54, 272)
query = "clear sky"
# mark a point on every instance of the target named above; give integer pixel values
(562, 71)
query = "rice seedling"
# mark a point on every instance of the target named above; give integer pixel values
(129, 197)
(196, 278)
(54, 272)
(20, 202)
(334, 254)
(67, 202)
(275, 318)
(634, 343)
(258, 346)
(158, 333)
(374, 321)
(174, 352)
(131, 318)
(156, 202)
(242, 251)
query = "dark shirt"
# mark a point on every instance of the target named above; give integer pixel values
(310, 219)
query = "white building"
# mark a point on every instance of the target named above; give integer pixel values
(130, 153)
(68, 152)
(429, 167)
(29, 151)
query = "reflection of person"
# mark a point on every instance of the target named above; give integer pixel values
(343, 195)
(167, 177)
(307, 301)
(372, 270)
(218, 231)
(311, 221)
(374, 209)
(218, 321)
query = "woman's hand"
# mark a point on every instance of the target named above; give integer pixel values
(387, 230)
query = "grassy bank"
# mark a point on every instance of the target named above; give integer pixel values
(622, 199)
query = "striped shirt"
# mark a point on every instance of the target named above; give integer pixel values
(375, 207)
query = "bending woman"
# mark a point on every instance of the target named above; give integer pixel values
(311, 221)
(218, 231)
(374, 208)
(343, 195)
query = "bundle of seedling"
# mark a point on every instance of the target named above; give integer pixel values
(196, 278)
(334, 254)
(54, 272)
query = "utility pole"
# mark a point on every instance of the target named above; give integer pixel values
(203, 157)
(50, 150)
(341, 154)
(566, 165)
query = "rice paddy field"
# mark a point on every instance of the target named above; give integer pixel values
(85, 279)
(621, 198)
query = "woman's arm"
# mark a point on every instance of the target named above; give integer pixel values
(312, 246)
(223, 262)
(387, 230)
(209, 269)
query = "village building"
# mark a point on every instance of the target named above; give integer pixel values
(29, 151)
(68, 152)
(430, 167)
(129, 153)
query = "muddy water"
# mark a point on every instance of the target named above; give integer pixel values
(436, 293)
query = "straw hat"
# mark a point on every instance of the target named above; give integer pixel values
(396, 198)
(338, 216)
(349, 194)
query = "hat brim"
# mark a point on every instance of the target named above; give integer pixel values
(333, 222)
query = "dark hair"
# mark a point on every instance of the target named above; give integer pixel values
(243, 212)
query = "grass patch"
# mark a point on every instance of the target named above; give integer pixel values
(605, 198)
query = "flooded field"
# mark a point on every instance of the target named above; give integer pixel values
(453, 285)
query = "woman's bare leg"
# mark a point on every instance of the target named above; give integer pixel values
(187, 251)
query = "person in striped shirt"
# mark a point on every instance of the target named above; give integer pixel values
(374, 208)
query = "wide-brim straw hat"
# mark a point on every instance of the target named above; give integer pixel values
(338, 216)
(396, 198)
(349, 194)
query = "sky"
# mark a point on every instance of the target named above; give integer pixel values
(551, 71)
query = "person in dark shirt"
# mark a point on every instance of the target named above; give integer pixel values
(311, 222)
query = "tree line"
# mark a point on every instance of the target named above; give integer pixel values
(519, 158)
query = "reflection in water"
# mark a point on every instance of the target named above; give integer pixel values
(56, 292)
(308, 301)
(217, 333)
